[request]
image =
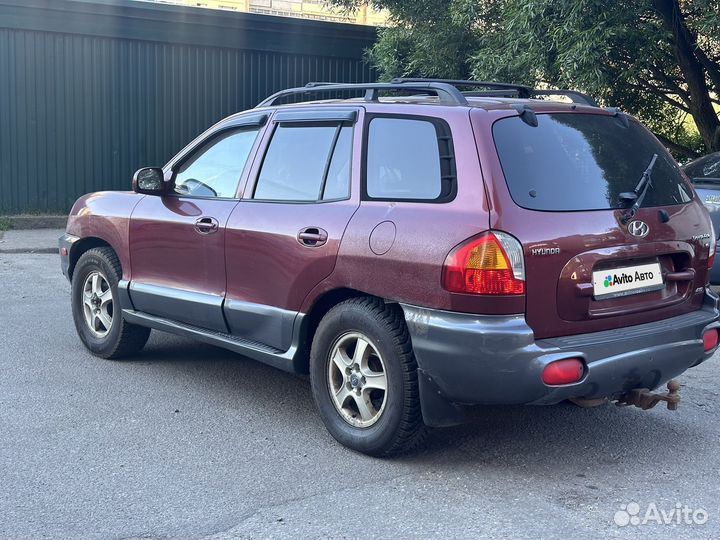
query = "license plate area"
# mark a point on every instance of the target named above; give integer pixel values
(627, 280)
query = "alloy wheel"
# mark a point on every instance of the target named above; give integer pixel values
(97, 304)
(357, 380)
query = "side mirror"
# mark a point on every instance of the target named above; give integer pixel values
(150, 181)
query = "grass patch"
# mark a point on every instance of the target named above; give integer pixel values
(5, 223)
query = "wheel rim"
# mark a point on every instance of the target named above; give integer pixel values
(357, 380)
(97, 304)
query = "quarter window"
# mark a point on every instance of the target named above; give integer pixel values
(215, 169)
(306, 162)
(409, 159)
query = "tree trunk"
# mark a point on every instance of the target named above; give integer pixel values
(683, 45)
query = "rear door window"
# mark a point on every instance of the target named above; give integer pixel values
(573, 162)
(337, 183)
(306, 163)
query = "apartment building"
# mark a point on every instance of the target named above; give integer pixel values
(306, 9)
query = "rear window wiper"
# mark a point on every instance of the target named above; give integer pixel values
(638, 194)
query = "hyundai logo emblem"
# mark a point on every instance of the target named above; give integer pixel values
(638, 228)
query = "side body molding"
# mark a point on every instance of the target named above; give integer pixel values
(286, 360)
(265, 324)
(201, 309)
(269, 334)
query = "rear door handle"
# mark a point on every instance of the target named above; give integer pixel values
(312, 236)
(207, 225)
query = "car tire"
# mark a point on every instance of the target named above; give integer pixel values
(96, 310)
(357, 344)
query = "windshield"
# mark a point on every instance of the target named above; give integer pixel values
(573, 162)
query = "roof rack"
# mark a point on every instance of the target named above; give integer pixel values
(521, 90)
(446, 93)
(446, 90)
(514, 90)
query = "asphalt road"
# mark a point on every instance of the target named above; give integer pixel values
(191, 441)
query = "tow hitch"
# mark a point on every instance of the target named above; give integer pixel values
(645, 399)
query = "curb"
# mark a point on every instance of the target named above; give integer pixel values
(36, 222)
(15, 251)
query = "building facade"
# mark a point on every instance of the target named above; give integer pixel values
(306, 9)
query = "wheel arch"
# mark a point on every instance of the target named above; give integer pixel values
(322, 304)
(82, 246)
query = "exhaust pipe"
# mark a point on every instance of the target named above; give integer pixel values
(587, 403)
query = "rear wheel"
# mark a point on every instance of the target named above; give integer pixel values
(96, 311)
(364, 378)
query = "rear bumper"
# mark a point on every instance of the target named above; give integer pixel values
(466, 359)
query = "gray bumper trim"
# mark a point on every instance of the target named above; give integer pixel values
(466, 359)
(66, 241)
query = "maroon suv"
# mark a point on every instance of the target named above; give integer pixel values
(418, 250)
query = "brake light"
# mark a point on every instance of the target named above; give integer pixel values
(710, 340)
(489, 264)
(567, 371)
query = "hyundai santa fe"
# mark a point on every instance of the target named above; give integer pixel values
(419, 247)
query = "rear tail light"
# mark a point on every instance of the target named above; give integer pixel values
(567, 371)
(489, 264)
(710, 340)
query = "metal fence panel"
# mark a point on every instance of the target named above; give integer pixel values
(89, 92)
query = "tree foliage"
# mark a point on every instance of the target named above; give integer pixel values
(658, 59)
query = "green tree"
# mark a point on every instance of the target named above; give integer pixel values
(657, 59)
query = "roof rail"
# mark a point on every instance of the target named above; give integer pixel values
(446, 93)
(517, 90)
(522, 90)
(445, 89)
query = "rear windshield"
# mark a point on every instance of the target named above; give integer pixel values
(573, 162)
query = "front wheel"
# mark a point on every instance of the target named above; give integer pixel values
(96, 310)
(364, 378)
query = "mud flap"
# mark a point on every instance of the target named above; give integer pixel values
(436, 410)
